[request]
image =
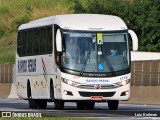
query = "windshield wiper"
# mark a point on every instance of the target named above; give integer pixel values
(85, 62)
(108, 63)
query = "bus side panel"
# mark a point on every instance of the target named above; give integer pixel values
(21, 86)
(38, 71)
(40, 87)
(57, 83)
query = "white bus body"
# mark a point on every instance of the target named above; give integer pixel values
(43, 70)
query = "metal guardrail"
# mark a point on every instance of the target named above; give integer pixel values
(6, 73)
(144, 73)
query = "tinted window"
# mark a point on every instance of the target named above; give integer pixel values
(35, 41)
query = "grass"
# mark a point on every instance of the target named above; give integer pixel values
(3, 10)
(7, 48)
(16, 12)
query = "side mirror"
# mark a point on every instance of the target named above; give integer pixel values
(134, 40)
(59, 41)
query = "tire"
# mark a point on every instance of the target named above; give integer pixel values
(42, 104)
(113, 104)
(59, 104)
(32, 103)
(51, 91)
(89, 105)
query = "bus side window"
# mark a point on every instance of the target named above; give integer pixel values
(29, 42)
(42, 41)
(19, 43)
(32, 42)
(49, 39)
(27, 46)
(45, 40)
(37, 41)
(24, 43)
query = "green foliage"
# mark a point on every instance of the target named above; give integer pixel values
(145, 20)
(143, 16)
(20, 20)
(3, 10)
(1, 30)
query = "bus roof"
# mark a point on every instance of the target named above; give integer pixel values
(94, 22)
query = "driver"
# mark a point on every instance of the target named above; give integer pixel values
(72, 51)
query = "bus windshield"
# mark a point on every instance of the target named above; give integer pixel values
(95, 52)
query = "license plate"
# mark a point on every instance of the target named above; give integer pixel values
(98, 98)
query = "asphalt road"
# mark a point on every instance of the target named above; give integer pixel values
(125, 111)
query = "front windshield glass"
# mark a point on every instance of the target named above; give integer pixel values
(115, 53)
(95, 52)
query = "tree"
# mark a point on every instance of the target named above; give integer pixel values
(143, 16)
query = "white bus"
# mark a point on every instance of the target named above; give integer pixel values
(82, 58)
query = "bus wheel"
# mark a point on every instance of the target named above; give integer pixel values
(42, 104)
(113, 104)
(32, 102)
(59, 104)
(51, 91)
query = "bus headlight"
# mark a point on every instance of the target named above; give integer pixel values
(69, 82)
(123, 82)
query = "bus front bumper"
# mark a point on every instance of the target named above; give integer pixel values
(72, 93)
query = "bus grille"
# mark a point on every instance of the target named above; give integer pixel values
(92, 86)
(89, 94)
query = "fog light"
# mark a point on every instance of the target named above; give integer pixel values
(67, 92)
(124, 93)
(127, 93)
